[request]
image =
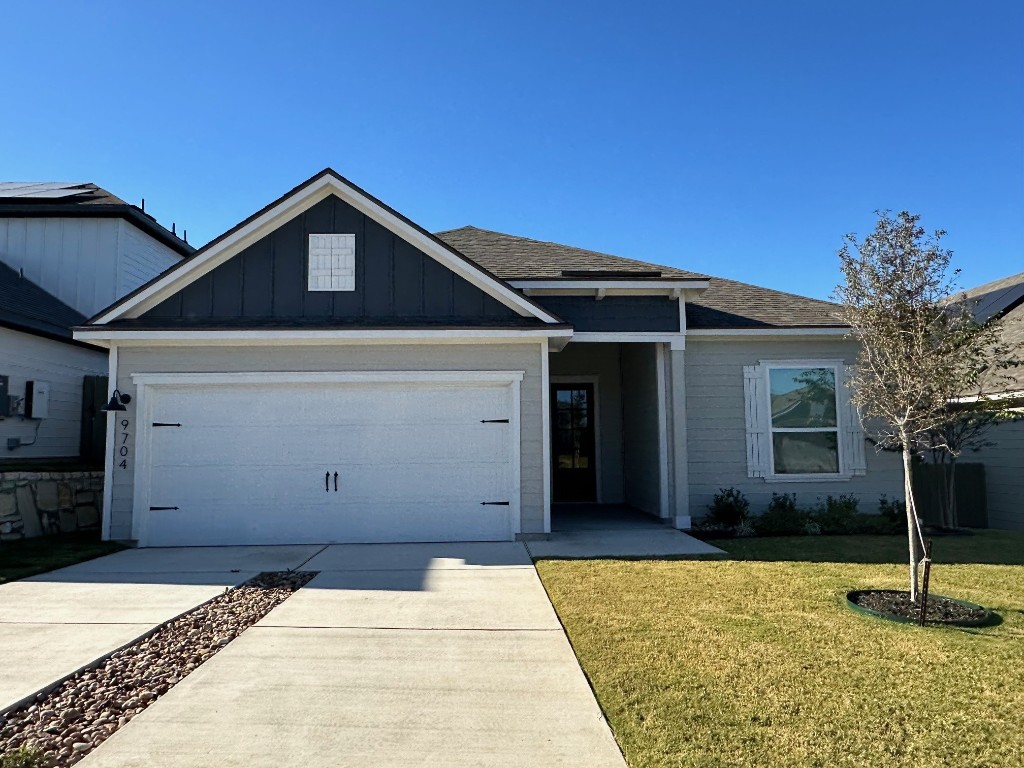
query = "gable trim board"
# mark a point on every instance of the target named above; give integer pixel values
(300, 199)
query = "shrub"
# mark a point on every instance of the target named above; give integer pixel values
(893, 510)
(23, 757)
(744, 530)
(837, 515)
(728, 509)
(877, 525)
(783, 518)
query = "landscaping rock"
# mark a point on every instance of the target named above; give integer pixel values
(70, 721)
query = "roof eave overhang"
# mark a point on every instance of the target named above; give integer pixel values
(675, 289)
(102, 336)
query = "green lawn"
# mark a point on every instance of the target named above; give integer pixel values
(28, 557)
(756, 661)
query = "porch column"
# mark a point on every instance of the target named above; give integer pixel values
(679, 468)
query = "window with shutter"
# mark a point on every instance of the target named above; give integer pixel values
(801, 423)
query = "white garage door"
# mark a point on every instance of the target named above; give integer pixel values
(312, 460)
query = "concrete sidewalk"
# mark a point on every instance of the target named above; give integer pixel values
(655, 542)
(395, 655)
(53, 624)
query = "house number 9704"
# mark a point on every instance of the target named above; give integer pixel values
(121, 444)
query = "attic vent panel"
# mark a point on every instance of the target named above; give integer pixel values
(332, 263)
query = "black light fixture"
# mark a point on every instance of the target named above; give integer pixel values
(117, 402)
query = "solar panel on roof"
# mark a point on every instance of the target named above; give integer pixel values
(52, 190)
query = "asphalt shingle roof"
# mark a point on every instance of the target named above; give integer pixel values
(26, 306)
(1004, 298)
(726, 304)
(730, 304)
(520, 258)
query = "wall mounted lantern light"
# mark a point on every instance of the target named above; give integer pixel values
(117, 402)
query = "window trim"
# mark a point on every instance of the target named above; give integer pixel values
(838, 368)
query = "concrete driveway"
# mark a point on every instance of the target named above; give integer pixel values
(53, 624)
(395, 655)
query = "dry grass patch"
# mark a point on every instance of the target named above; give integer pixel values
(759, 663)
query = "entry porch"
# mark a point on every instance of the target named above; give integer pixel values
(612, 430)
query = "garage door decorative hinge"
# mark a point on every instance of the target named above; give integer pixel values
(160, 509)
(494, 421)
(164, 424)
(494, 503)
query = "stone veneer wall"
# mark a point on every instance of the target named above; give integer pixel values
(45, 503)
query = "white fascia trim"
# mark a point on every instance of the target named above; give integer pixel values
(994, 397)
(609, 285)
(266, 337)
(602, 288)
(732, 333)
(291, 207)
(503, 378)
(545, 407)
(108, 459)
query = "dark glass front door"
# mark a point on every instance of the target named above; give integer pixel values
(573, 475)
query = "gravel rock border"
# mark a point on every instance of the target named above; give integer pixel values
(64, 725)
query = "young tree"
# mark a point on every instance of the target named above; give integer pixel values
(919, 347)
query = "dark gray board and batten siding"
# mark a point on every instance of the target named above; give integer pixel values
(615, 313)
(268, 282)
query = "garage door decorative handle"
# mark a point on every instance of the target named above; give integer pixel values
(160, 509)
(164, 424)
(327, 481)
(335, 482)
(494, 421)
(494, 503)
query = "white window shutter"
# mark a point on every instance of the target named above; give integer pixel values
(758, 421)
(852, 434)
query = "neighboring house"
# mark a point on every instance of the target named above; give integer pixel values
(329, 371)
(1004, 460)
(66, 251)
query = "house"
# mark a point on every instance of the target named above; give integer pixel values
(329, 371)
(66, 251)
(1004, 459)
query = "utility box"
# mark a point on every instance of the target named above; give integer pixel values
(5, 405)
(37, 399)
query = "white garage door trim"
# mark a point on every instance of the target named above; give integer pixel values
(146, 382)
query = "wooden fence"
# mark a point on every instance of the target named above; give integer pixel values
(971, 501)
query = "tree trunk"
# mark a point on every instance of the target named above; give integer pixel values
(911, 518)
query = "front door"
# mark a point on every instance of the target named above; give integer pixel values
(573, 475)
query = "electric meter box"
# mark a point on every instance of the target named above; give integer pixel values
(37, 399)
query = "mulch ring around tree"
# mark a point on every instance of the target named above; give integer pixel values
(896, 605)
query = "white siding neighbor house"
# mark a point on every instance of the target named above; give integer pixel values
(1004, 458)
(66, 252)
(329, 371)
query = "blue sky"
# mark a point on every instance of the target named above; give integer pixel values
(739, 139)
